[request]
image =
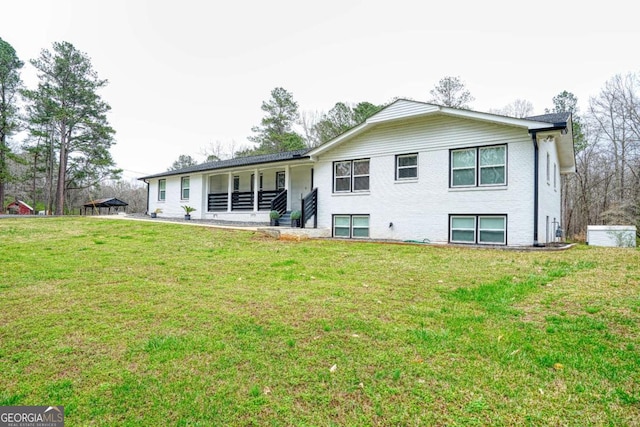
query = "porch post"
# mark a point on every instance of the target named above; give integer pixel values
(229, 190)
(287, 179)
(256, 180)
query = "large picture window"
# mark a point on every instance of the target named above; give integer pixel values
(184, 188)
(479, 166)
(478, 229)
(351, 226)
(406, 166)
(351, 176)
(162, 189)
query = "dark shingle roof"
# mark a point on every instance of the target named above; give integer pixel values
(558, 119)
(105, 203)
(238, 161)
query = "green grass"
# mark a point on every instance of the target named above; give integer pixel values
(139, 323)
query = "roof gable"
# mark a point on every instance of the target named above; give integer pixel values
(403, 109)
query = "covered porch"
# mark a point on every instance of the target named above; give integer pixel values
(251, 194)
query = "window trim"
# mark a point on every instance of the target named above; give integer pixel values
(351, 226)
(398, 167)
(282, 174)
(452, 169)
(475, 228)
(478, 167)
(476, 240)
(548, 168)
(162, 190)
(352, 176)
(183, 187)
(504, 230)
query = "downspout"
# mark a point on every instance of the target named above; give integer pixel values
(147, 182)
(536, 171)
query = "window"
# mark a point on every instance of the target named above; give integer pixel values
(351, 226)
(184, 188)
(491, 230)
(480, 229)
(480, 166)
(280, 180)
(463, 229)
(548, 168)
(236, 184)
(493, 161)
(463, 168)
(407, 166)
(351, 176)
(555, 174)
(162, 189)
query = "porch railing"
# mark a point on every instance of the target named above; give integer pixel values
(310, 208)
(241, 201)
(217, 202)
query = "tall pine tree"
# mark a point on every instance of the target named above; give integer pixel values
(275, 133)
(67, 104)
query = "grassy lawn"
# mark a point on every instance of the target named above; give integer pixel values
(142, 323)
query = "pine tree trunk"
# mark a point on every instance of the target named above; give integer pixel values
(61, 173)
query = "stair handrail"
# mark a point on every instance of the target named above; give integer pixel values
(310, 208)
(279, 203)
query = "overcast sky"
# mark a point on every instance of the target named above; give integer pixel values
(184, 74)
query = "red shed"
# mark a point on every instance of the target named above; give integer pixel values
(19, 208)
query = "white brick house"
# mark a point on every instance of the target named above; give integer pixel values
(413, 171)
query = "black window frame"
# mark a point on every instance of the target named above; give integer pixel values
(397, 168)
(477, 229)
(351, 226)
(478, 168)
(352, 176)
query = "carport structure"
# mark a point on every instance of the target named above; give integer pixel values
(109, 203)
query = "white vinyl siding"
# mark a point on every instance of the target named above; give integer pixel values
(432, 198)
(407, 167)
